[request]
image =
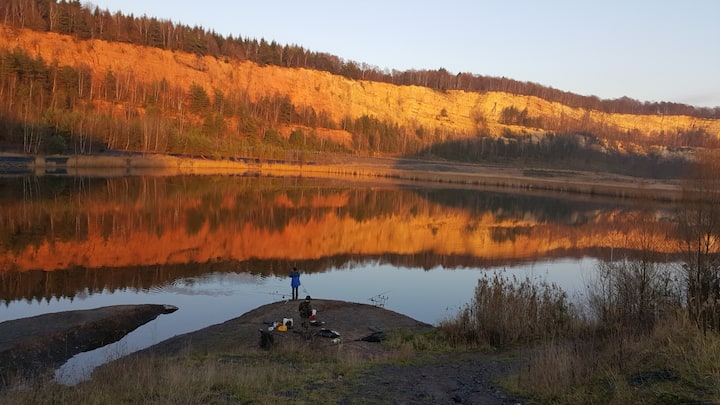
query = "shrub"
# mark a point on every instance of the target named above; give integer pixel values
(56, 144)
(505, 311)
(632, 294)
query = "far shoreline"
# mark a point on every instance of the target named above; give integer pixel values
(390, 169)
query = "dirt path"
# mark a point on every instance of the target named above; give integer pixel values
(458, 378)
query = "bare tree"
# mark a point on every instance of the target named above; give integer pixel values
(699, 234)
(635, 291)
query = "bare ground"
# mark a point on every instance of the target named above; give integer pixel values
(458, 378)
(42, 343)
(424, 378)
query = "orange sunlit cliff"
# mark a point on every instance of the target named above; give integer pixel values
(186, 88)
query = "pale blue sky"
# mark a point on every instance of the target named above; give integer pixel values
(650, 50)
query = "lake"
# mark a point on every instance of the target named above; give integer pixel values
(219, 246)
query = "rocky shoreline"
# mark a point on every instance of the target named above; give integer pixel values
(32, 348)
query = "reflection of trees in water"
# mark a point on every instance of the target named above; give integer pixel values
(123, 206)
(38, 285)
(64, 208)
(121, 209)
(517, 206)
(503, 234)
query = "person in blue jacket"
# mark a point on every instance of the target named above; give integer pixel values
(294, 282)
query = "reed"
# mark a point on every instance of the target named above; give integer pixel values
(653, 353)
(507, 311)
(674, 363)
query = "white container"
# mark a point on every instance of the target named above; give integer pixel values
(288, 322)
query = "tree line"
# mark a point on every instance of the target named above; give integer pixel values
(45, 107)
(84, 22)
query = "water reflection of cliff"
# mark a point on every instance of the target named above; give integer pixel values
(155, 225)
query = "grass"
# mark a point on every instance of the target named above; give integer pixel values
(570, 360)
(674, 363)
(407, 342)
(291, 373)
(574, 359)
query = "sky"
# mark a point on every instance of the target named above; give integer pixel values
(648, 50)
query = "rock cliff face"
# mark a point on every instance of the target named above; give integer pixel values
(446, 115)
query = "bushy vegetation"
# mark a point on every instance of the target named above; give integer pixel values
(507, 310)
(672, 362)
(636, 344)
(651, 329)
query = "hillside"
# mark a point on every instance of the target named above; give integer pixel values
(84, 95)
(409, 106)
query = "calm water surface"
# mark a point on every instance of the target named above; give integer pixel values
(217, 247)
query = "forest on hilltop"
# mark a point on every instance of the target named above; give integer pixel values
(72, 18)
(49, 107)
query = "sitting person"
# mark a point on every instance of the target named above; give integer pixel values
(305, 310)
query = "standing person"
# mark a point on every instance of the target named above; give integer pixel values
(294, 282)
(305, 311)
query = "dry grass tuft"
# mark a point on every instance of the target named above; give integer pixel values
(673, 363)
(506, 311)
